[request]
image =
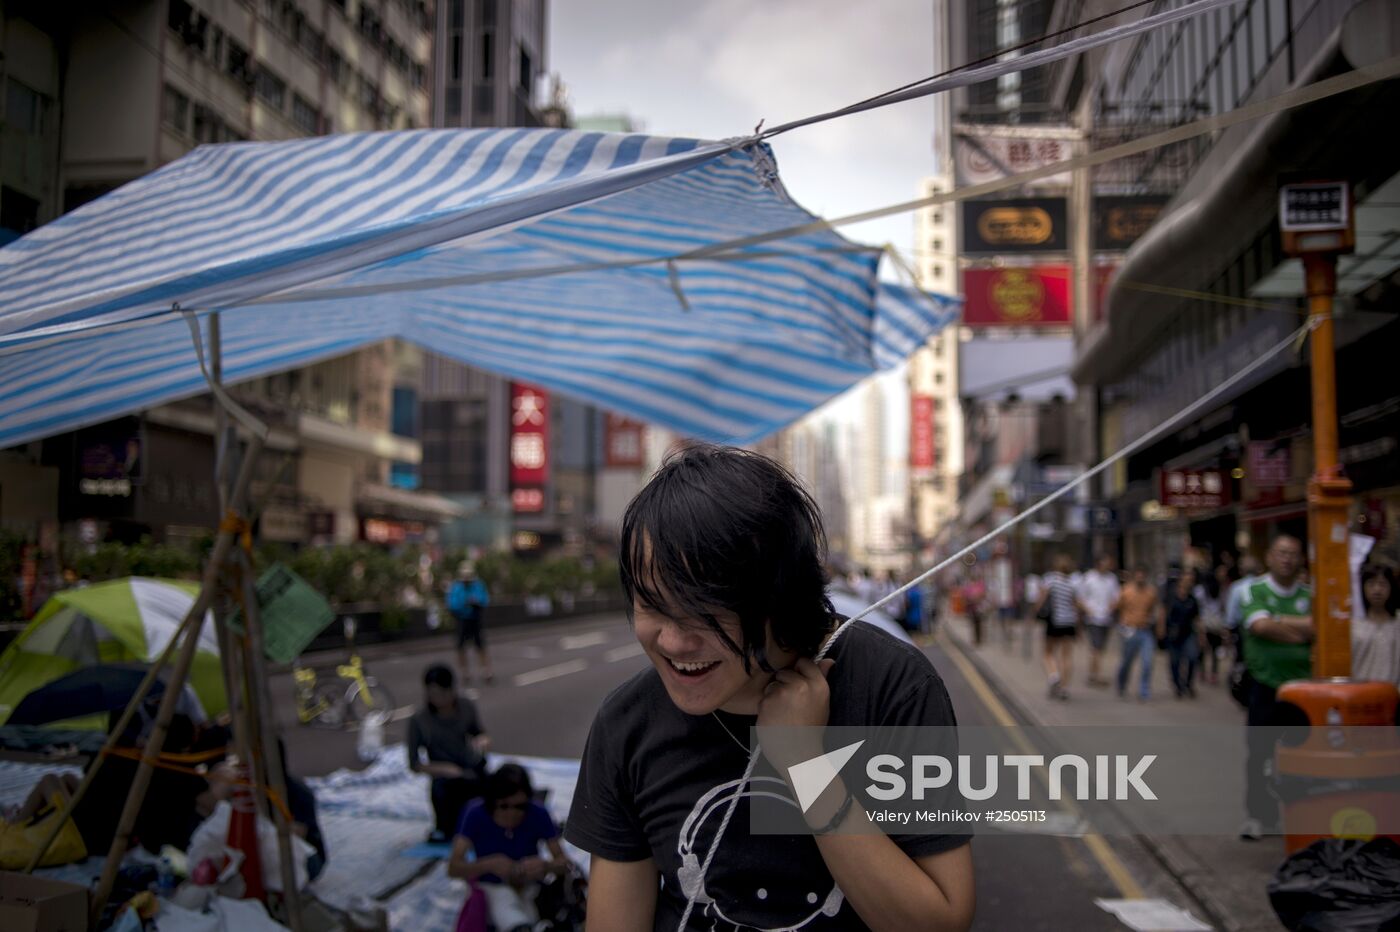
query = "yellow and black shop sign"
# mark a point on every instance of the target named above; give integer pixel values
(1025, 224)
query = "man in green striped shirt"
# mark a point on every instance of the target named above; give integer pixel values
(1278, 636)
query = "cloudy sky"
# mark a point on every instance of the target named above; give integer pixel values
(713, 68)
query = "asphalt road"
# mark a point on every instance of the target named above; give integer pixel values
(551, 678)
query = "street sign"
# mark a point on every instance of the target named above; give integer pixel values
(1015, 225)
(1038, 296)
(1316, 217)
(1194, 488)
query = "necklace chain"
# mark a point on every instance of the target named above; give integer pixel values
(744, 747)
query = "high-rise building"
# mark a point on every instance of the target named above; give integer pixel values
(490, 57)
(936, 429)
(136, 84)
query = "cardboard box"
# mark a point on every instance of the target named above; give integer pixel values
(36, 904)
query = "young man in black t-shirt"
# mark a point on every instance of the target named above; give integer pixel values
(722, 557)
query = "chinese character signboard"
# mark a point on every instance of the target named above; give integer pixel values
(1120, 219)
(921, 456)
(1270, 464)
(623, 441)
(1017, 297)
(1023, 224)
(1194, 488)
(980, 158)
(529, 445)
(1319, 206)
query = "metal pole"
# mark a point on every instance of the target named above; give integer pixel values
(1329, 491)
(223, 543)
(260, 716)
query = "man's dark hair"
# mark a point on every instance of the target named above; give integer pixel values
(723, 529)
(439, 675)
(505, 782)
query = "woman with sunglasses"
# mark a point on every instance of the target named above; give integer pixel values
(504, 831)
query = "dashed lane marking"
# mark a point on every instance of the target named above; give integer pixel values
(549, 673)
(624, 652)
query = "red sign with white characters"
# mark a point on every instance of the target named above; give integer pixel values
(529, 435)
(1194, 488)
(921, 456)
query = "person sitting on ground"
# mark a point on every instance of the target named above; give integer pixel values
(448, 732)
(504, 832)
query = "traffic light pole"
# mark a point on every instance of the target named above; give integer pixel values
(1329, 491)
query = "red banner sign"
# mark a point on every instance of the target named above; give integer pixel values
(1270, 464)
(921, 433)
(1194, 488)
(529, 435)
(1103, 278)
(623, 441)
(1017, 297)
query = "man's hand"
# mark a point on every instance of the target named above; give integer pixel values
(481, 743)
(532, 869)
(797, 698)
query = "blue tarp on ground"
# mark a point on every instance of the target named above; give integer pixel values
(514, 250)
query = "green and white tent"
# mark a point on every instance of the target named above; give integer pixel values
(124, 620)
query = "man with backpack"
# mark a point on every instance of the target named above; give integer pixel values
(467, 599)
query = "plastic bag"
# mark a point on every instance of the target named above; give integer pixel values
(210, 841)
(1339, 885)
(371, 739)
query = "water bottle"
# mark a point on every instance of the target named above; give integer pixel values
(166, 880)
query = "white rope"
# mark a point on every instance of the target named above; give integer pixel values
(1166, 426)
(221, 397)
(1013, 63)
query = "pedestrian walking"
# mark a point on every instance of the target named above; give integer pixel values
(467, 599)
(1140, 617)
(975, 597)
(1278, 636)
(447, 741)
(1060, 609)
(1210, 592)
(1098, 592)
(1183, 633)
(721, 563)
(1375, 631)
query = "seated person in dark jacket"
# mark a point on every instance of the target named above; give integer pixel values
(447, 731)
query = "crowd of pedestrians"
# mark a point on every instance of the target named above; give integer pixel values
(1203, 617)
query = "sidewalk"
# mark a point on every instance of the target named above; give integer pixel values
(1227, 876)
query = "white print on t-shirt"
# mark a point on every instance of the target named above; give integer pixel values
(777, 909)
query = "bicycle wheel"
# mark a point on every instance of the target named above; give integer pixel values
(332, 711)
(373, 697)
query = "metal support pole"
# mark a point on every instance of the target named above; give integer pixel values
(263, 725)
(223, 544)
(1329, 491)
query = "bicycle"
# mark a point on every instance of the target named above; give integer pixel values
(334, 704)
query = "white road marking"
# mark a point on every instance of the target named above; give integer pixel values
(624, 652)
(578, 641)
(549, 673)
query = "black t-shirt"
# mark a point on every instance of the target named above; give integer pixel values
(447, 738)
(655, 782)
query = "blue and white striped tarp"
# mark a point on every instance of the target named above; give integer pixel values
(529, 252)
